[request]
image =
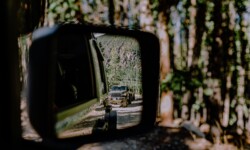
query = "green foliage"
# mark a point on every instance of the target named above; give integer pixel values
(198, 105)
(233, 118)
(155, 8)
(201, 1)
(179, 82)
(122, 60)
(240, 5)
(208, 92)
(64, 10)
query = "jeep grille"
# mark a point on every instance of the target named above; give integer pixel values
(116, 95)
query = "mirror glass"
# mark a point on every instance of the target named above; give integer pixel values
(98, 84)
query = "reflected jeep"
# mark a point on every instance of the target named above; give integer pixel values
(120, 95)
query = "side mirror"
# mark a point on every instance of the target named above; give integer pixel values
(90, 83)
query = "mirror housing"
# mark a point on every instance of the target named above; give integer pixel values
(42, 72)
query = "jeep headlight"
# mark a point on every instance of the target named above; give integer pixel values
(124, 94)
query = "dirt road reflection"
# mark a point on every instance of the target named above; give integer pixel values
(126, 117)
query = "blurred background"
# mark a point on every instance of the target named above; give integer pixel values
(205, 55)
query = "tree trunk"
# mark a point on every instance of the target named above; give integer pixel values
(166, 98)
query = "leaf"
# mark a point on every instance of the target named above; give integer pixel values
(195, 83)
(164, 87)
(176, 87)
(196, 106)
(168, 78)
(52, 6)
(208, 92)
(233, 119)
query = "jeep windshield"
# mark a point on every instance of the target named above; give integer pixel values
(119, 88)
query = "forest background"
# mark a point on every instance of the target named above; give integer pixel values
(205, 53)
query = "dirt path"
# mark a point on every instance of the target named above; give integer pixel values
(160, 138)
(126, 117)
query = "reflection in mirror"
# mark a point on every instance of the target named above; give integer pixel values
(98, 84)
